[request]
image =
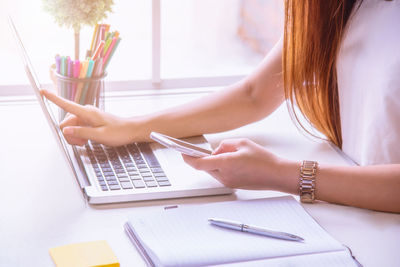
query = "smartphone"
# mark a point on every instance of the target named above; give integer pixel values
(180, 145)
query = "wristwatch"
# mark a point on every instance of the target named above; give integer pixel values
(308, 172)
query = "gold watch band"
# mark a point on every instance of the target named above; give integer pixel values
(308, 172)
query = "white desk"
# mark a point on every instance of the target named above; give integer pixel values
(42, 207)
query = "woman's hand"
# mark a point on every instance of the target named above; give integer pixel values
(241, 163)
(88, 122)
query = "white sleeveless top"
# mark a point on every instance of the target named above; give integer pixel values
(368, 71)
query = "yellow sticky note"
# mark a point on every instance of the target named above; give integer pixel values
(88, 254)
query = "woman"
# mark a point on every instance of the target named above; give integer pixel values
(340, 62)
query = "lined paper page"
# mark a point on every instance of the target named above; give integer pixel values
(184, 237)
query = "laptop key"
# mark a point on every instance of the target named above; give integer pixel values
(109, 174)
(124, 179)
(161, 179)
(104, 188)
(120, 175)
(157, 170)
(142, 166)
(151, 184)
(164, 183)
(126, 185)
(117, 165)
(136, 177)
(102, 183)
(115, 187)
(148, 178)
(138, 184)
(108, 169)
(118, 170)
(113, 182)
(105, 165)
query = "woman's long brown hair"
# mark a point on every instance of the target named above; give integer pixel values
(312, 35)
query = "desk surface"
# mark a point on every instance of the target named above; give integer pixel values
(42, 206)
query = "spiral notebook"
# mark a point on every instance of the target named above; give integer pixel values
(182, 236)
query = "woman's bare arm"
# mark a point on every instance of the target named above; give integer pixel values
(247, 101)
(240, 163)
(375, 187)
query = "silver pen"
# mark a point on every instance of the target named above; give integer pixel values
(238, 226)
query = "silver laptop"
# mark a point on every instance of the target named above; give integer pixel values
(134, 172)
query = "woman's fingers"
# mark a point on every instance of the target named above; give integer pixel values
(69, 120)
(66, 105)
(230, 145)
(208, 163)
(219, 156)
(84, 133)
(88, 123)
(75, 141)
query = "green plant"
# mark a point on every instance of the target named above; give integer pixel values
(75, 13)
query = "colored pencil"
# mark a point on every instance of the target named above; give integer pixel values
(94, 37)
(82, 74)
(77, 68)
(69, 74)
(99, 50)
(108, 52)
(106, 46)
(85, 87)
(111, 53)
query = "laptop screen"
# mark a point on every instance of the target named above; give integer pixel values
(44, 103)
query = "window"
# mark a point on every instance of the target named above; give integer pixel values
(200, 39)
(165, 43)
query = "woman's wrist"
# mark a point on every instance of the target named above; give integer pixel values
(288, 176)
(138, 129)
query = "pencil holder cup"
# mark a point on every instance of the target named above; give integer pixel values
(84, 91)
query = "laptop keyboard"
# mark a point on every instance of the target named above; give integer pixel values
(126, 167)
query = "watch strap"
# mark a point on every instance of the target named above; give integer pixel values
(308, 172)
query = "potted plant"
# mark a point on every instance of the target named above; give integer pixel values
(75, 13)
